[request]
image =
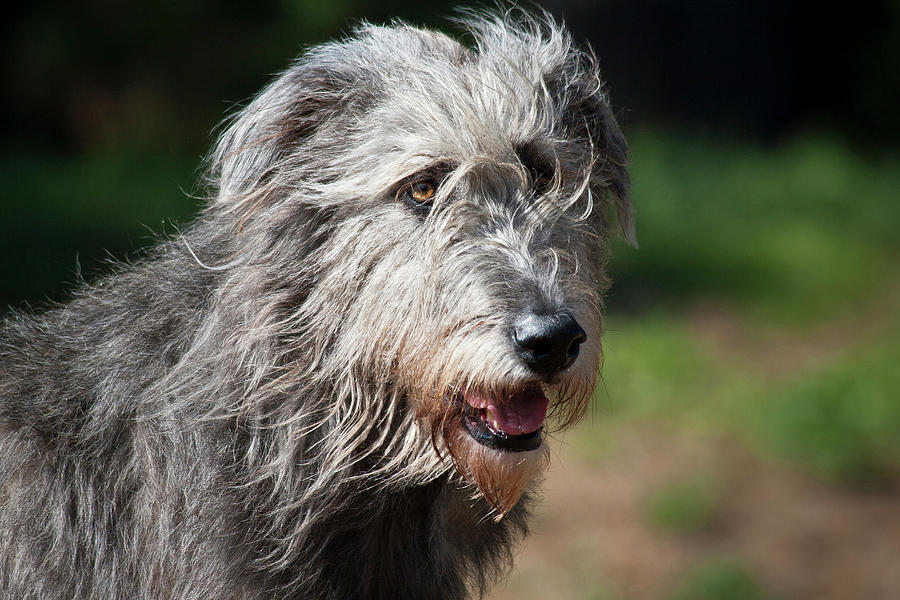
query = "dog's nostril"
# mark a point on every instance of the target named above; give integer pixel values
(578, 338)
(548, 343)
(537, 346)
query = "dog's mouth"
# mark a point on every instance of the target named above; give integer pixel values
(512, 423)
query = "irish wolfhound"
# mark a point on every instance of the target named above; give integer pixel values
(334, 383)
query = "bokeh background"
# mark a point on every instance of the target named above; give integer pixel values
(745, 439)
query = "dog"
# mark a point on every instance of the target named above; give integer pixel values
(339, 380)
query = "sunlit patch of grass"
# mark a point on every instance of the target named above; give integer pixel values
(840, 420)
(686, 505)
(649, 364)
(656, 367)
(596, 592)
(843, 422)
(717, 580)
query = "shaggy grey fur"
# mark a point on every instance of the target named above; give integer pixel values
(270, 404)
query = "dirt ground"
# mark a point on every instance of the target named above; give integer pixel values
(798, 538)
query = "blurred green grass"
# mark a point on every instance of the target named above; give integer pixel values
(683, 505)
(789, 234)
(763, 301)
(719, 579)
(842, 422)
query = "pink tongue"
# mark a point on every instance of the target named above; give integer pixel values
(523, 413)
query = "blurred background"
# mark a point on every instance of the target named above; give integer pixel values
(745, 438)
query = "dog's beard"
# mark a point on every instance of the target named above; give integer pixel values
(500, 476)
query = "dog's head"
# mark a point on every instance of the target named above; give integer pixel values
(442, 212)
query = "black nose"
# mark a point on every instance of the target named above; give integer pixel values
(548, 343)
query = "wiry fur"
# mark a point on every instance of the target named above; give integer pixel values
(267, 406)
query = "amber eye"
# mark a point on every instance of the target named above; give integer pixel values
(421, 191)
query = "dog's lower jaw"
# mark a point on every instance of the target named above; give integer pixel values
(477, 427)
(499, 476)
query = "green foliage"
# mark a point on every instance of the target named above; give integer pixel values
(683, 506)
(115, 191)
(719, 580)
(66, 215)
(789, 241)
(656, 368)
(595, 591)
(790, 235)
(843, 422)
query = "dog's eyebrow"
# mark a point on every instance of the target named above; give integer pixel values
(438, 168)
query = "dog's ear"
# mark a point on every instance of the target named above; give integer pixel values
(255, 161)
(611, 156)
(579, 94)
(591, 118)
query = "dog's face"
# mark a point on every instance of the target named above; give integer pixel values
(463, 198)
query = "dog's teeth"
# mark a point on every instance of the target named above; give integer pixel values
(490, 417)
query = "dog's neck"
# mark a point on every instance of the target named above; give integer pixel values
(427, 541)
